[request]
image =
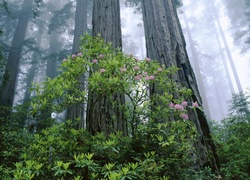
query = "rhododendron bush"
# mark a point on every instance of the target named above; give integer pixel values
(161, 137)
(106, 71)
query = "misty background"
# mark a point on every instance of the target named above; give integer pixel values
(215, 33)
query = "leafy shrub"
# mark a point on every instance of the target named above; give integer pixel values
(62, 152)
(160, 141)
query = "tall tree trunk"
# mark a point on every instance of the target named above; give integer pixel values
(224, 59)
(80, 23)
(197, 68)
(165, 43)
(32, 71)
(53, 49)
(10, 77)
(230, 58)
(78, 110)
(106, 21)
(100, 110)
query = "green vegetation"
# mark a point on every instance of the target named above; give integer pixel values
(233, 141)
(40, 147)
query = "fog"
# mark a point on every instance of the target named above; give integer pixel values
(217, 58)
(212, 58)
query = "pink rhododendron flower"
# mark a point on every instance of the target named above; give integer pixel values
(137, 78)
(123, 69)
(184, 116)
(102, 70)
(171, 105)
(152, 77)
(79, 54)
(148, 59)
(160, 69)
(195, 104)
(73, 56)
(184, 103)
(101, 56)
(136, 68)
(178, 107)
(145, 73)
(95, 61)
(139, 75)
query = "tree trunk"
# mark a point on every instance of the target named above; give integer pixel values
(53, 49)
(165, 43)
(224, 59)
(11, 72)
(235, 74)
(78, 110)
(32, 70)
(197, 68)
(102, 115)
(80, 23)
(106, 21)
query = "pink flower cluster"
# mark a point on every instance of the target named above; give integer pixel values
(195, 104)
(94, 61)
(138, 77)
(102, 70)
(123, 69)
(101, 56)
(160, 69)
(79, 54)
(184, 116)
(149, 77)
(73, 56)
(136, 68)
(181, 107)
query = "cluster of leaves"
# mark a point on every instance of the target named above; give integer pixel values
(232, 137)
(159, 151)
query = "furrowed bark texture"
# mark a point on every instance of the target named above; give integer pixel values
(80, 23)
(165, 43)
(11, 73)
(106, 21)
(78, 110)
(102, 114)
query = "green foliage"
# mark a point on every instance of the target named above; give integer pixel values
(64, 152)
(232, 138)
(161, 140)
(239, 107)
(110, 72)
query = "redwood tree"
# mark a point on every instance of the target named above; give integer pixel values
(11, 73)
(165, 43)
(78, 110)
(100, 110)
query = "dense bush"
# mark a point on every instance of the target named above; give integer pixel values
(62, 152)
